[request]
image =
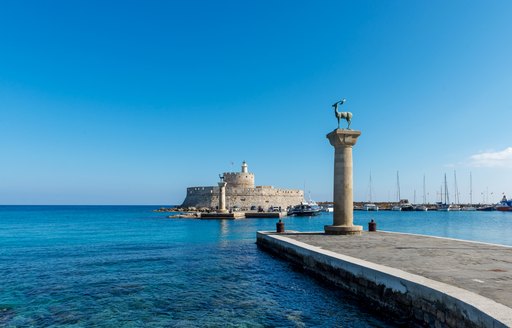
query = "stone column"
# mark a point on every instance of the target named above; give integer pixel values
(222, 197)
(343, 216)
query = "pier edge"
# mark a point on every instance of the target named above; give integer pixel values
(398, 295)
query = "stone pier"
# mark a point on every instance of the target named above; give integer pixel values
(414, 280)
(343, 217)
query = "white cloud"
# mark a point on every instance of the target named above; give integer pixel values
(501, 158)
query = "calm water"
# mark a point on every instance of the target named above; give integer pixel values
(127, 266)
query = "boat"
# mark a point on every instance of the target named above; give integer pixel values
(505, 205)
(305, 209)
(370, 206)
(445, 206)
(328, 208)
(406, 206)
(421, 208)
(486, 208)
(470, 206)
(454, 207)
(397, 207)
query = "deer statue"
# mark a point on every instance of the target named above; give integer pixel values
(342, 115)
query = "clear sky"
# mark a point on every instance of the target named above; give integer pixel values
(130, 102)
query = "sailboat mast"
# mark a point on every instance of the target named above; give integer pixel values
(456, 188)
(446, 196)
(370, 186)
(398, 186)
(424, 195)
(470, 188)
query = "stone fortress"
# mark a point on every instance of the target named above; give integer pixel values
(242, 193)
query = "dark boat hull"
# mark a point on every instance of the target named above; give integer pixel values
(305, 213)
(486, 209)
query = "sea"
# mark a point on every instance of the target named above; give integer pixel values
(128, 266)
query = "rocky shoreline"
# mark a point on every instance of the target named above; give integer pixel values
(183, 212)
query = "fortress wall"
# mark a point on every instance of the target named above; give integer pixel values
(201, 197)
(241, 192)
(264, 197)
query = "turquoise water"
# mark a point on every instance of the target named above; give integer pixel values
(72, 266)
(109, 266)
(490, 227)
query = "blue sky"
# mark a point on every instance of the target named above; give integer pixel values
(131, 102)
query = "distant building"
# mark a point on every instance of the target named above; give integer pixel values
(243, 194)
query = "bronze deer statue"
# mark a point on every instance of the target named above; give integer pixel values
(342, 115)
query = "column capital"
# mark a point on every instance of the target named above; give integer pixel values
(222, 184)
(343, 137)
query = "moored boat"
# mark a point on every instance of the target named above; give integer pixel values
(454, 207)
(486, 208)
(407, 207)
(505, 205)
(370, 207)
(328, 208)
(445, 206)
(305, 209)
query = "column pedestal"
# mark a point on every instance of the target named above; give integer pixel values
(343, 217)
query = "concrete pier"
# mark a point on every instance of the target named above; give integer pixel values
(221, 216)
(343, 217)
(412, 279)
(264, 215)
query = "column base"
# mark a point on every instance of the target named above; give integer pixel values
(343, 230)
(222, 211)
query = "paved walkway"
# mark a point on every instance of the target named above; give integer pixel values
(481, 268)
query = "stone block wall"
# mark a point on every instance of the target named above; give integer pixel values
(243, 198)
(235, 180)
(264, 197)
(201, 197)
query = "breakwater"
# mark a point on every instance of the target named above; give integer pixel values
(414, 280)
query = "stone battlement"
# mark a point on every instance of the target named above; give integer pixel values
(235, 179)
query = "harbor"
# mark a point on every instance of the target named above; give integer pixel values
(256, 164)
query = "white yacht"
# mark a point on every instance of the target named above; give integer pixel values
(370, 207)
